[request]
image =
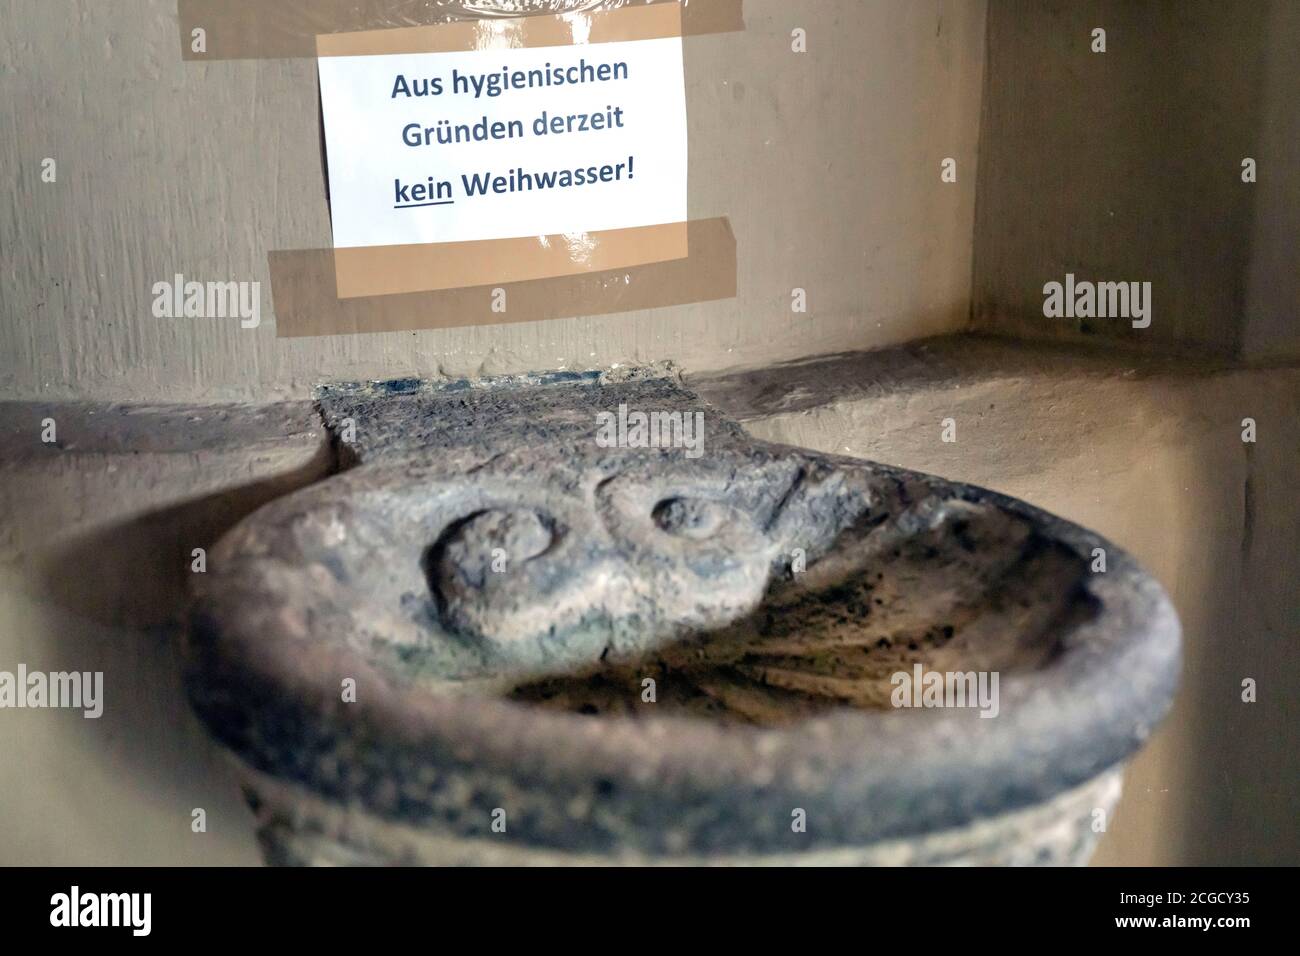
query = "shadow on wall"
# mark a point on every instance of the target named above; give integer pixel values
(138, 568)
(137, 584)
(98, 544)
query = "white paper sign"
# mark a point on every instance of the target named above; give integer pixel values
(504, 143)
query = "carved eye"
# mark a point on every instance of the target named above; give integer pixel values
(693, 518)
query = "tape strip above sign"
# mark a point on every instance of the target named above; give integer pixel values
(654, 21)
(281, 29)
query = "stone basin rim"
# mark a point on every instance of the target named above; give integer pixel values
(1059, 726)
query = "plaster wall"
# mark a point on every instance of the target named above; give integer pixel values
(1126, 165)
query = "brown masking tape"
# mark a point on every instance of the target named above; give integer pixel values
(303, 284)
(277, 29)
(652, 22)
(385, 270)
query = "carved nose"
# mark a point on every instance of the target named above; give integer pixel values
(488, 545)
(502, 575)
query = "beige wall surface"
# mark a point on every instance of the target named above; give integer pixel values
(1272, 329)
(827, 164)
(1127, 166)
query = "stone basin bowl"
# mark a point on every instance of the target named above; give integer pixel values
(494, 639)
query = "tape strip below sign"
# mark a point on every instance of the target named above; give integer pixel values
(505, 150)
(302, 282)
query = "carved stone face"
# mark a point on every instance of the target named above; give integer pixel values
(501, 589)
(457, 578)
(682, 574)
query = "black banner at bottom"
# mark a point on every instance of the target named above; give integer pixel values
(603, 907)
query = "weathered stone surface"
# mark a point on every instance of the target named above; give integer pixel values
(500, 587)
